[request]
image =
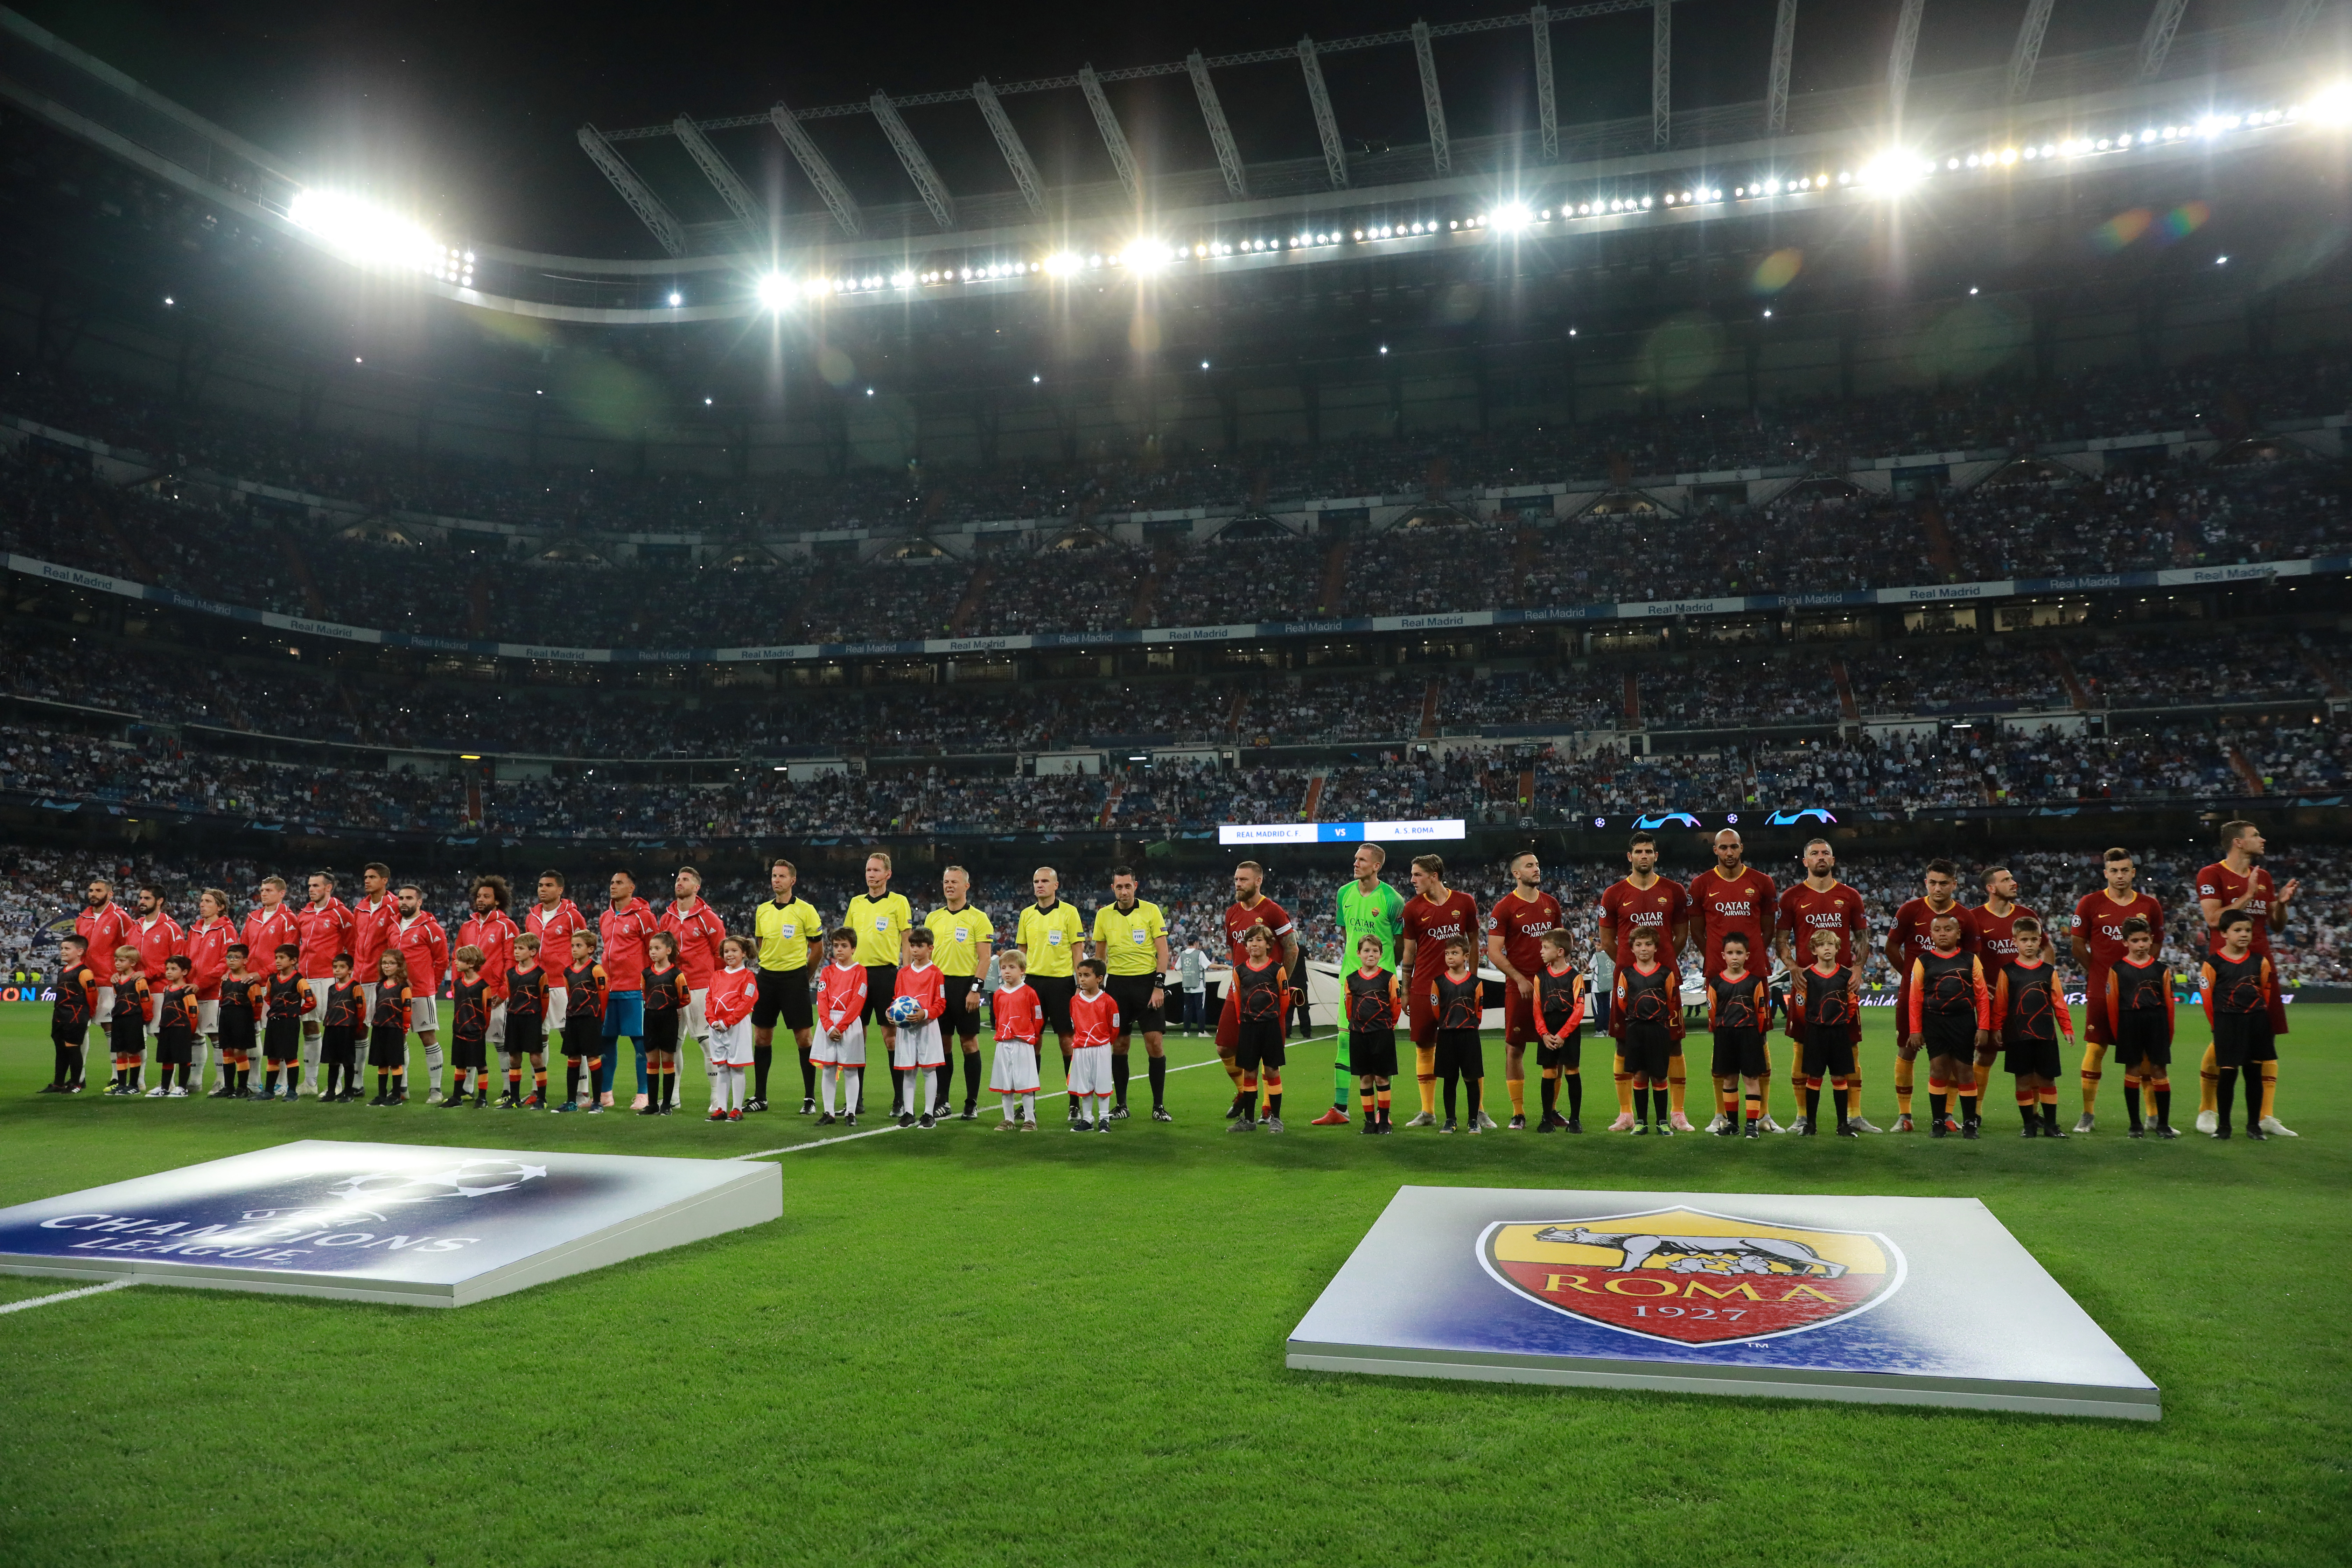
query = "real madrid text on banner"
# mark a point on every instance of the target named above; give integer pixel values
(1341, 832)
(386, 1222)
(1874, 1300)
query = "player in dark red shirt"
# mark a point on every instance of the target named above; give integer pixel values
(1992, 934)
(1250, 906)
(2096, 935)
(1515, 924)
(1907, 944)
(1821, 902)
(1730, 897)
(2235, 882)
(1638, 901)
(1432, 916)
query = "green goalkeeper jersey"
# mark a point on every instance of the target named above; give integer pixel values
(1379, 913)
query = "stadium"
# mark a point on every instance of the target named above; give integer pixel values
(1039, 486)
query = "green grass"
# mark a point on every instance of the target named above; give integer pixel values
(1048, 1348)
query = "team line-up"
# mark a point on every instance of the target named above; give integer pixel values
(316, 993)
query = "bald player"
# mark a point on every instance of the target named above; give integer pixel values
(1643, 900)
(1730, 898)
(1250, 906)
(2235, 882)
(2097, 937)
(1820, 903)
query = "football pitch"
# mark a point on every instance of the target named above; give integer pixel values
(966, 1346)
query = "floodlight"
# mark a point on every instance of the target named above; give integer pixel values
(1894, 171)
(1061, 263)
(1512, 217)
(677, 300)
(367, 235)
(2331, 105)
(775, 291)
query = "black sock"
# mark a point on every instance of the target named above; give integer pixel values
(61, 1051)
(2131, 1105)
(2225, 1097)
(2025, 1110)
(1936, 1102)
(761, 1055)
(384, 1082)
(808, 1074)
(1549, 1093)
(1451, 1079)
(1575, 1096)
(947, 1086)
(2253, 1096)
(2050, 1114)
(1158, 1069)
(1659, 1103)
(76, 1056)
(2163, 1108)
(1813, 1105)
(1118, 1077)
(970, 1079)
(1274, 1105)
(1246, 1102)
(572, 1079)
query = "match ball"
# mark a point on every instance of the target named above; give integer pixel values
(906, 1010)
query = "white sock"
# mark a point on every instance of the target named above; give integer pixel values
(1009, 1104)
(851, 1078)
(309, 1062)
(825, 1079)
(730, 1083)
(433, 1065)
(907, 1090)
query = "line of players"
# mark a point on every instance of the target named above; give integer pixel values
(1424, 937)
(1988, 972)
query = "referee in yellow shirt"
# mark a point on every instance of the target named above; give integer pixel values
(962, 943)
(1049, 935)
(783, 928)
(1131, 939)
(881, 920)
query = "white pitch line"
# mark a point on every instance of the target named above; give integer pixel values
(893, 1127)
(69, 1295)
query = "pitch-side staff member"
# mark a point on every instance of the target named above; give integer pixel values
(783, 927)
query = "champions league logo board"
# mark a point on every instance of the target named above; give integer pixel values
(386, 1222)
(1876, 1301)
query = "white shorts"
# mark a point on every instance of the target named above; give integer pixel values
(729, 1045)
(695, 1020)
(424, 1014)
(208, 1016)
(1090, 1071)
(846, 1050)
(367, 989)
(105, 1005)
(317, 1013)
(1016, 1069)
(496, 1035)
(556, 998)
(917, 1046)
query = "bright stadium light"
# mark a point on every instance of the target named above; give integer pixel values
(2331, 105)
(370, 236)
(1512, 217)
(1894, 171)
(1061, 264)
(775, 291)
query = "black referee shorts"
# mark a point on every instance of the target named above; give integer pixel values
(881, 989)
(784, 994)
(960, 1020)
(1054, 994)
(1133, 995)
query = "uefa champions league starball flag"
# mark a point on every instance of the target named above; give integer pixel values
(397, 1222)
(1873, 1300)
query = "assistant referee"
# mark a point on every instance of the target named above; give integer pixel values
(1049, 935)
(963, 940)
(783, 927)
(1131, 939)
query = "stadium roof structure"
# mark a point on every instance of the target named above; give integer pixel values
(2162, 98)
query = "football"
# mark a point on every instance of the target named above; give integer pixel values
(906, 1010)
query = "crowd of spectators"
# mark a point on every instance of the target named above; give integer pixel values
(186, 532)
(1953, 675)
